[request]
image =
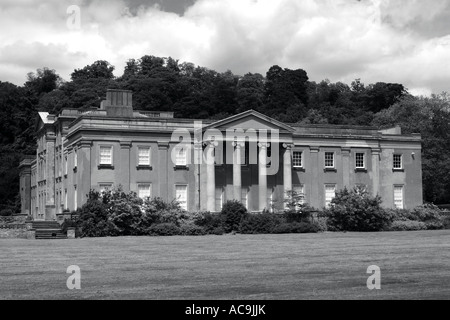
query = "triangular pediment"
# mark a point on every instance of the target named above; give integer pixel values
(250, 120)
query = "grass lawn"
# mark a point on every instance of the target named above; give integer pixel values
(414, 265)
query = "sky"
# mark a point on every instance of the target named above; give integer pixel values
(399, 41)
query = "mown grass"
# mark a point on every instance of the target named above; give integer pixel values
(414, 265)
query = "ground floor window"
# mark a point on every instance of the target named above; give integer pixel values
(104, 187)
(144, 190)
(219, 198)
(299, 191)
(181, 196)
(398, 197)
(244, 196)
(330, 193)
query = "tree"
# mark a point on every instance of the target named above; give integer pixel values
(43, 81)
(99, 69)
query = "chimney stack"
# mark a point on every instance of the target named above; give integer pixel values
(118, 103)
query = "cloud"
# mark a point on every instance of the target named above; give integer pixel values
(375, 40)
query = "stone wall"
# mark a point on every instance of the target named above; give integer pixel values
(13, 227)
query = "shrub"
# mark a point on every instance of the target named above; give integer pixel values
(6, 213)
(322, 224)
(71, 224)
(209, 221)
(356, 210)
(296, 227)
(164, 229)
(259, 223)
(429, 214)
(191, 229)
(407, 225)
(156, 210)
(232, 214)
(301, 214)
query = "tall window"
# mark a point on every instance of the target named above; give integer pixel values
(329, 159)
(65, 164)
(106, 155)
(398, 197)
(144, 156)
(244, 196)
(330, 193)
(75, 158)
(300, 192)
(297, 159)
(360, 161)
(66, 206)
(398, 161)
(181, 196)
(75, 198)
(181, 157)
(219, 198)
(270, 199)
(144, 190)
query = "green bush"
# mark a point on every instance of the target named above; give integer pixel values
(164, 229)
(429, 214)
(191, 229)
(356, 210)
(232, 214)
(322, 224)
(6, 213)
(296, 227)
(407, 225)
(156, 210)
(209, 222)
(71, 224)
(262, 223)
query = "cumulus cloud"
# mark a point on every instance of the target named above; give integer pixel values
(375, 40)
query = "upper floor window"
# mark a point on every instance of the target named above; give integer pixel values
(144, 156)
(398, 163)
(329, 159)
(75, 158)
(65, 164)
(181, 157)
(360, 163)
(297, 160)
(106, 156)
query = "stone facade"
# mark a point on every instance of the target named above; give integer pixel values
(249, 157)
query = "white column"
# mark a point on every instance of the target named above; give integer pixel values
(211, 179)
(237, 181)
(287, 168)
(262, 174)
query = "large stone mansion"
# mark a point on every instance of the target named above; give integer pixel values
(248, 157)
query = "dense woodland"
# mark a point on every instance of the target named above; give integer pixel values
(197, 92)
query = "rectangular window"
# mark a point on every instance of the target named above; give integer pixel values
(181, 157)
(219, 198)
(360, 161)
(65, 165)
(398, 197)
(144, 156)
(75, 198)
(398, 161)
(66, 200)
(104, 187)
(75, 158)
(181, 196)
(297, 159)
(270, 199)
(244, 196)
(299, 191)
(329, 159)
(106, 155)
(330, 193)
(144, 190)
